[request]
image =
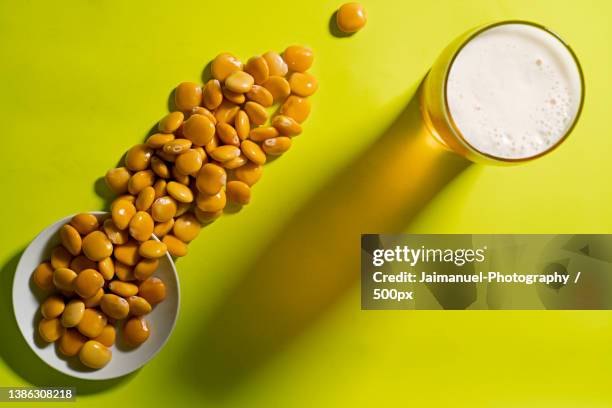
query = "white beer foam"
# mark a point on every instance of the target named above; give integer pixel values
(514, 91)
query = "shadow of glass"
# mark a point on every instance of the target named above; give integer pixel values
(315, 259)
(16, 353)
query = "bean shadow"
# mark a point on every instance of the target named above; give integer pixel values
(315, 259)
(16, 353)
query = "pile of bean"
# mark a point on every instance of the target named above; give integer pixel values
(208, 152)
(211, 149)
(98, 275)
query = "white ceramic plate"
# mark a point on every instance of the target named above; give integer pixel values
(26, 303)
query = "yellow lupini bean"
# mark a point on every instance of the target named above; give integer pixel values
(180, 177)
(242, 125)
(199, 110)
(206, 217)
(225, 153)
(235, 162)
(351, 17)
(227, 134)
(226, 112)
(202, 153)
(128, 253)
(278, 87)
(153, 290)
(141, 226)
(163, 209)
(212, 94)
(94, 354)
(145, 198)
(162, 228)
(145, 268)
(160, 168)
(128, 197)
(211, 202)
(107, 337)
(261, 95)
(117, 179)
(73, 313)
(92, 323)
(60, 257)
(176, 147)
(52, 307)
(180, 192)
(211, 179)
(239, 82)
(257, 67)
(114, 306)
(160, 188)
(159, 139)
(124, 272)
(87, 283)
(71, 342)
(286, 125)
(43, 276)
(114, 234)
(212, 145)
(253, 152)
(258, 115)
(107, 268)
(276, 64)
(80, 263)
(176, 247)
(276, 146)
(50, 330)
(259, 134)
(63, 278)
(94, 301)
(152, 249)
(84, 223)
(223, 65)
(199, 129)
(123, 289)
(182, 208)
(139, 306)
(186, 227)
(187, 96)
(234, 97)
(136, 331)
(303, 83)
(71, 240)
(169, 157)
(296, 107)
(140, 180)
(238, 192)
(97, 246)
(122, 212)
(189, 162)
(138, 157)
(298, 58)
(171, 122)
(250, 173)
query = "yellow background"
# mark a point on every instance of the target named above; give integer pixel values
(81, 81)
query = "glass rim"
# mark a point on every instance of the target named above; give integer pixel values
(569, 130)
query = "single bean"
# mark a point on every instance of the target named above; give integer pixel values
(238, 192)
(187, 96)
(253, 152)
